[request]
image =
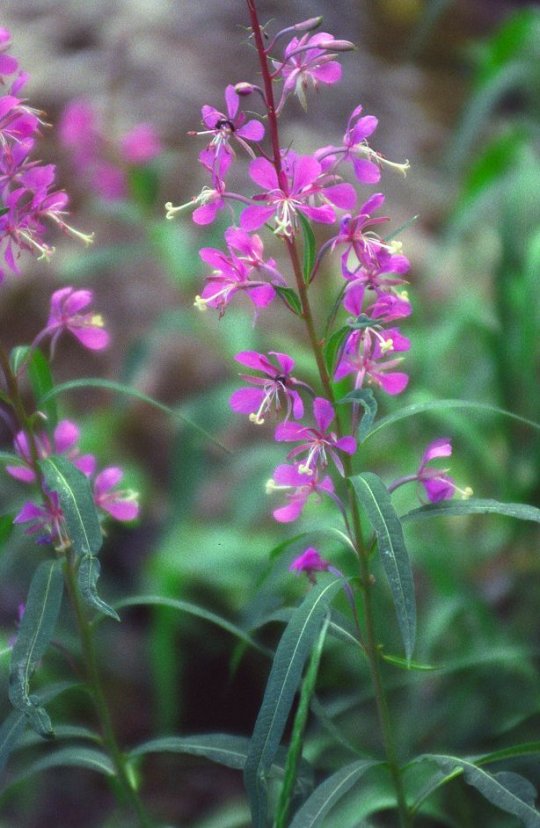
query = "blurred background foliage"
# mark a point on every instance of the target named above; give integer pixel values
(456, 86)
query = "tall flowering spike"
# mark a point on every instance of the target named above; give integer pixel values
(65, 315)
(298, 489)
(271, 391)
(316, 443)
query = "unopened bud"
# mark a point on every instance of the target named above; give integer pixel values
(336, 45)
(244, 88)
(307, 25)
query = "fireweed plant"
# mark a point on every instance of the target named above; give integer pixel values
(319, 427)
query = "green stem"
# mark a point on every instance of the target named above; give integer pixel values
(370, 645)
(126, 791)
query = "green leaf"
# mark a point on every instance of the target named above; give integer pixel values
(374, 497)
(192, 609)
(35, 632)
(510, 792)
(366, 398)
(294, 753)
(120, 388)
(474, 506)
(291, 299)
(222, 748)
(75, 496)
(285, 677)
(443, 405)
(87, 576)
(314, 811)
(408, 665)
(41, 380)
(6, 528)
(332, 347)
(77, 757)
(310, 246)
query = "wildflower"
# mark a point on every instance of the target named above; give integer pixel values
(219, 155)
(65, 315)
(140, 145)
(8, 64)
(121, 504)
(46, 520)
(250, 249)
(309, 561)
(364, 353)
(298, 488)
(437, 483)
(307, 61)
(65, 438)
(302, 180)
(230, 274)
(318, 442)
(269, 390)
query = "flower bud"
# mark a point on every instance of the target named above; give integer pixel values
(307, 25)
(244, 88)
(336, 45)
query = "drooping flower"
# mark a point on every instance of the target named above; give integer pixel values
(65, 315)
(437, 483)
(65, 438)
(298, 488)
(270, 391)
(316, 443)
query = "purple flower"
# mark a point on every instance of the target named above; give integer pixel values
(364, 354)
(121, 504)
(140, 145)
(361, 247)
(437, 483)
(218, 155)
(8, 64)
(65, 438)
(309, 561)
(302, 181)
(269, 391)
(298, 487)
(46, 521)
(230, 274)
(307, 61)
(316, 443)
(65, 315)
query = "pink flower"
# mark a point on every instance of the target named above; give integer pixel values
(364, 354)
(65, 315)
(8, 64)
(121, 504)
(317, 443)
(140, 145)
(307, 61)
(269, 391)
(309, 561)
(298, 487)
(218, 155)
(359, 128)
(302, 181)
(437, 483)
(46, 521)
(65, 438)
(230, 274)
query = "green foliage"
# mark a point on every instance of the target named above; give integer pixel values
(75, 497)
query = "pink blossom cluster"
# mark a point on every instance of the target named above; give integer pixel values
(29, 197)
(45, 519)
(290, 191)
(102, 162)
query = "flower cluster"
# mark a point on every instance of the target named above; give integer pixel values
(102, 162)
(292, 192)
(28, 193)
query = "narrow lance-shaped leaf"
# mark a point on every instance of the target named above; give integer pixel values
(373, 496)
(41, 380)
(315, 809)
(88, 575)
(75, 496)
(285, 676)
(35, 632)
(508, 791)
(310, 246)
(474, 506)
